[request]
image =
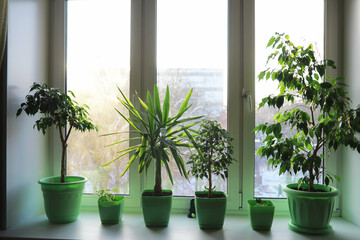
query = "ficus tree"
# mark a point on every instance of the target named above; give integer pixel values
(301, 78)
(59, 110)
(213, 152)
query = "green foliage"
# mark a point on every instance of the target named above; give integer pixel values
(107, 195)
(300, 77)
(214, 149)
(57, 109)
(160, 135)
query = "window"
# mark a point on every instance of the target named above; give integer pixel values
(302, 30)
(192, 53)
(205, 45)
(98, 60)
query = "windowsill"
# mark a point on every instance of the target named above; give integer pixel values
(88, 226)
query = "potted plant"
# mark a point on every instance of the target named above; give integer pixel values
(300, 77)
(213, 156)
(110, 206)
(159, 138)
(261, 213)
(62, 194)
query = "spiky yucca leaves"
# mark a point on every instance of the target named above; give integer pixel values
(160, 135)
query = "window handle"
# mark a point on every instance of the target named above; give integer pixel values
(247, 96)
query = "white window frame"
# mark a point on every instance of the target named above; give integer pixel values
(241, 75)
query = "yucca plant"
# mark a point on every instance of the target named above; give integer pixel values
(160, 135)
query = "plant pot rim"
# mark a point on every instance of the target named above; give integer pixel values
(152, 190)
(292, 189)
(49, 180)
(214, 192)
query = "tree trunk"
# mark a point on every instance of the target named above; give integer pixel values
(157, 187)
(311, 173)
(63, 162)
(210, 178)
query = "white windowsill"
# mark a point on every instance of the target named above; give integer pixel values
(88, 226)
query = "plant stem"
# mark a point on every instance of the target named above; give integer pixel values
(157, 187)
(64, 145)
(210, 175)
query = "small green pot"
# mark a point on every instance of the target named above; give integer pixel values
(210, 212)
(111, 211)
(156, 209)
(261, 216)
(311, 212)
(62, 200)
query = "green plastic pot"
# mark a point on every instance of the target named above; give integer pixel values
(62, 200)
(261, 216)
(311, 212)
(111, 211)
(210, 212)
(156, 209)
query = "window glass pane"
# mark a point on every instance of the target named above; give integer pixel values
(192, 53)
(303, 20)
(98, 60)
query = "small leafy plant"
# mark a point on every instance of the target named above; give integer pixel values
(160, 135)
(58, 109)
(301, 79)
(213, 156)
(107, 195)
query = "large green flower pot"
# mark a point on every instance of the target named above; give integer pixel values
(261, 215)
(62, 200)
(111, 211)
(311, 211)
(156, 209)
(210, 212)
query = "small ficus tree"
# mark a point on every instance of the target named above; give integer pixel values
(214, 150)
(58, 109)
(301, 77)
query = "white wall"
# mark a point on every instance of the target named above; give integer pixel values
(350, 162)
(28, 28)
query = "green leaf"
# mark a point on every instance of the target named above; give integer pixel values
(271, 41)
(166, 159)
(261, 75)
(309, 147)
(337, 178)
(273, 76)
(316, 76)
(279, 101)
(157, 103)
(166, 105)
(327, 181)
(325, 85)
(184, 105)
(130, 162)
(268, 74)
